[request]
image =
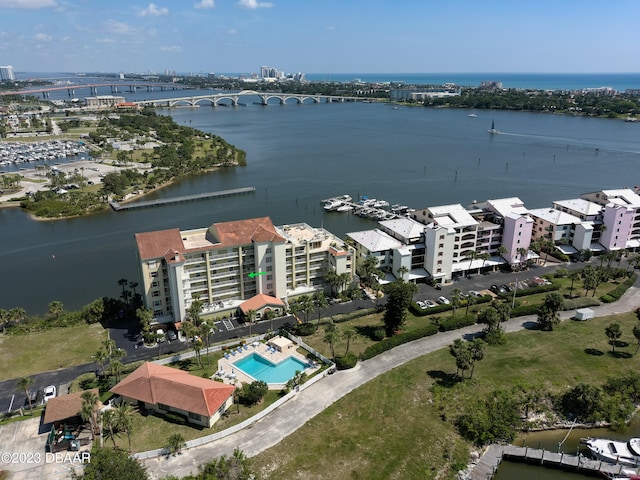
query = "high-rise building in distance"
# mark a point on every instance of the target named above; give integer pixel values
(6, 74)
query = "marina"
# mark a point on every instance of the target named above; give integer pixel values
(366, 207)
(17, 153)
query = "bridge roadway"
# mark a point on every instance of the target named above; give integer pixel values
(215, 98)
(93, 88)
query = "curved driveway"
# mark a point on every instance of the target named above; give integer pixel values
(312, 400)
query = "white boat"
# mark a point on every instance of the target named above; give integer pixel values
(614, 451)
(472, 115)
(344, 208)
(331, 205)
(493, 130)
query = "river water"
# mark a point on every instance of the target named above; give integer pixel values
(300, 154)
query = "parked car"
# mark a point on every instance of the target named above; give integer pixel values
(171, 335)
(474, 294)
(506, 288)
(49, 393)
(443, 300)
(496, 289)
(421, 304)
(430, 303)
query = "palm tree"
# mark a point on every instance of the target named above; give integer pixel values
(332, 279)
(55, 309)
(573, 276)
(331, 336)
(470, 301)
(88, 411)
(193, 312)
(205, 332)
(110, 424)
(175, 443)
(116, 368)
(455, 300)
(402, 271)
(523, 253)
(24, 385)
(502, 250)
(471, 255)
(124, 415)
(123, 282)
(614, 332)
(101, 357)
(320, 302)
(250, 317)
(344, 279)
(348, 333)
(367, 267)
(484, 257)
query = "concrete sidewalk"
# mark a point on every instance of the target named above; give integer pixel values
(314, 399)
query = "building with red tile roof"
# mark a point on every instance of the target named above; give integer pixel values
(262, 303)
(165, 389)
(229, 263)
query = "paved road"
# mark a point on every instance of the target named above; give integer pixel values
(311, 401)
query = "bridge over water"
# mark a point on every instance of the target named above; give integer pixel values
(216, 99)
(114, 87)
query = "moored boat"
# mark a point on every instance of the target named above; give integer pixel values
(614, 451)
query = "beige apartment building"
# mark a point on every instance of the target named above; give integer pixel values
(231, 262)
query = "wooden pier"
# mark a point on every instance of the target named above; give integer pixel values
(487, 466)
(186, 198)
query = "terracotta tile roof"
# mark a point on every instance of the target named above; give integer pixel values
(157, 244)
(155, 384)
(66, 406)
(258, 301)
(245, 232)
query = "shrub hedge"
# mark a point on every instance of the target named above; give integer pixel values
(391, 342)
(347, 361)
(456, 322)
(617, 292)
(531, 291)
(82, 382)
(580, 302)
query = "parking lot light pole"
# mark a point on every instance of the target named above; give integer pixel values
(515, 288)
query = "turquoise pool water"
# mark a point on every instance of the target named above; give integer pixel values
(260, 368)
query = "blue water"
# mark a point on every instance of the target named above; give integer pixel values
(536, 81)
(260, 368)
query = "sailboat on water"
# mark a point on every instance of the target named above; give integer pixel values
(493, 130)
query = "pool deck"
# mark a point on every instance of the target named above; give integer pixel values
(235, 376)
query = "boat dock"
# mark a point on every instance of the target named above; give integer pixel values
(186, 198)
(366, 207)
(488, 464)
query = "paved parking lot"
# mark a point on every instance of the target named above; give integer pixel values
(481, 282)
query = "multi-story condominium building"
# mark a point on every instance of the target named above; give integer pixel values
(504, 222)
(620, 216)
(398, 243)
(103, 101)
(568, 232)
(451, 235)
(586, 211)
(231, 262)
(6, 74)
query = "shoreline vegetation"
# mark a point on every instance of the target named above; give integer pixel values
(151, 152)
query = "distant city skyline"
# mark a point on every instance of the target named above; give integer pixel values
(328, 36)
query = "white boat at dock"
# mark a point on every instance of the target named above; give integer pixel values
(614, 451)
(345, 207)
(331, 205)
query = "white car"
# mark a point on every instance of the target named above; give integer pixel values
(49, 393)
(443, 300)
(421, 304)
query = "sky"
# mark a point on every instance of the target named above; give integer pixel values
(320, 36)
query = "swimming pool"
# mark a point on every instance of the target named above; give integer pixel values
(260, 368)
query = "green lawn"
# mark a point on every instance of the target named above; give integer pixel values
(151, 432)
(23, 355)
(400, 425)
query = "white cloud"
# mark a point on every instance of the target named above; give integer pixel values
(253, 4)
(105, 40)
(330, 28)
(119, 28)
(153, 10)
(232, 31)
(205, 4)
(30, 4)
(172, 49)
(43, 37)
